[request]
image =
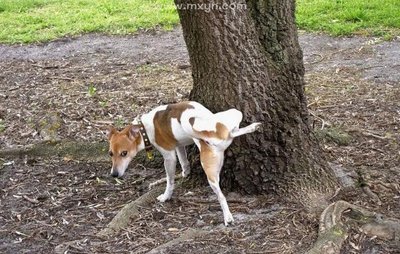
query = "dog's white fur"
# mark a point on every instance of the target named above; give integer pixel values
(194, 123)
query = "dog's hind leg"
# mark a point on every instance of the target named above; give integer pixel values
(212, 162)
(181, 151)
(245, 130)
(170, 167)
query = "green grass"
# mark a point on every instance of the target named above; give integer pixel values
(42, 20)
(347, 17)
(334, 134)
(29, 21)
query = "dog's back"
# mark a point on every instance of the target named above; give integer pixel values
(201, 123)
(182, 123)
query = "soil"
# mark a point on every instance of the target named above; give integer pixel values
(74, 88)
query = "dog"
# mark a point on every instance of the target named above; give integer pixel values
(169, 128)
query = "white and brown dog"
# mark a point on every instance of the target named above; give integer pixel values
(169, 129)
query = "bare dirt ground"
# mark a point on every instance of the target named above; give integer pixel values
(74, 88)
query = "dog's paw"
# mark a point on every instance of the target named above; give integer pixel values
(163, 198)
(228, 219)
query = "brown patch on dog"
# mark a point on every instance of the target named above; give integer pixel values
(177, 109)
(191, 121)
(210, 161)
(162, 124)
(221, 131)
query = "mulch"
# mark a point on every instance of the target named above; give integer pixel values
(61, 204)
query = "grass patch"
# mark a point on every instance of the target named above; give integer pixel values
(335, 135)
(2, 125)
(27, 21)
(347, 17)
(42, 20)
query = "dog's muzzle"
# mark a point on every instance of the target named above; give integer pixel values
(114, 174)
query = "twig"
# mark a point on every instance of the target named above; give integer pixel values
(49, 67)
(158, 182)
(10, 89)
(103, 122)
(335, 194)
(34, 201)
(366, 133)
(63, 248)
(319, 60)
(319, 118)
(371, 67)
(62, 78)
(162, 180)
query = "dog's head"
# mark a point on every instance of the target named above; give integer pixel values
(123, 148)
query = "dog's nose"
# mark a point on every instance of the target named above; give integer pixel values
(114, 174)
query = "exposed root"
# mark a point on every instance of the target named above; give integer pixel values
(185, 236)
(345, 179)
(74, 150)
(61, 148)
(333, 231)
(372, 195)
(129, 212)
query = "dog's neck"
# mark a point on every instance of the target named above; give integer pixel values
(140, 141)
(143, 141)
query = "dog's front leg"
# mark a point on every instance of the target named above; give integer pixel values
(170, 166)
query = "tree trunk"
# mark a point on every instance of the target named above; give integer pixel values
(246, 55)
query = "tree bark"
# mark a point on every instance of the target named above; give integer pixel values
(247, 56)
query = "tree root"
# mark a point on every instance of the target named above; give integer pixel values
(75, 150)
(60, 148)
(333, 231)
(189, 234)
(345, 179)
(374, 197)
(129, 212)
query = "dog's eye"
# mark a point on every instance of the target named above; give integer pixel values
(124, 153)
(110, 153)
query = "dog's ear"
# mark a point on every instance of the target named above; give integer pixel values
(134, 131)
(111, 131)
